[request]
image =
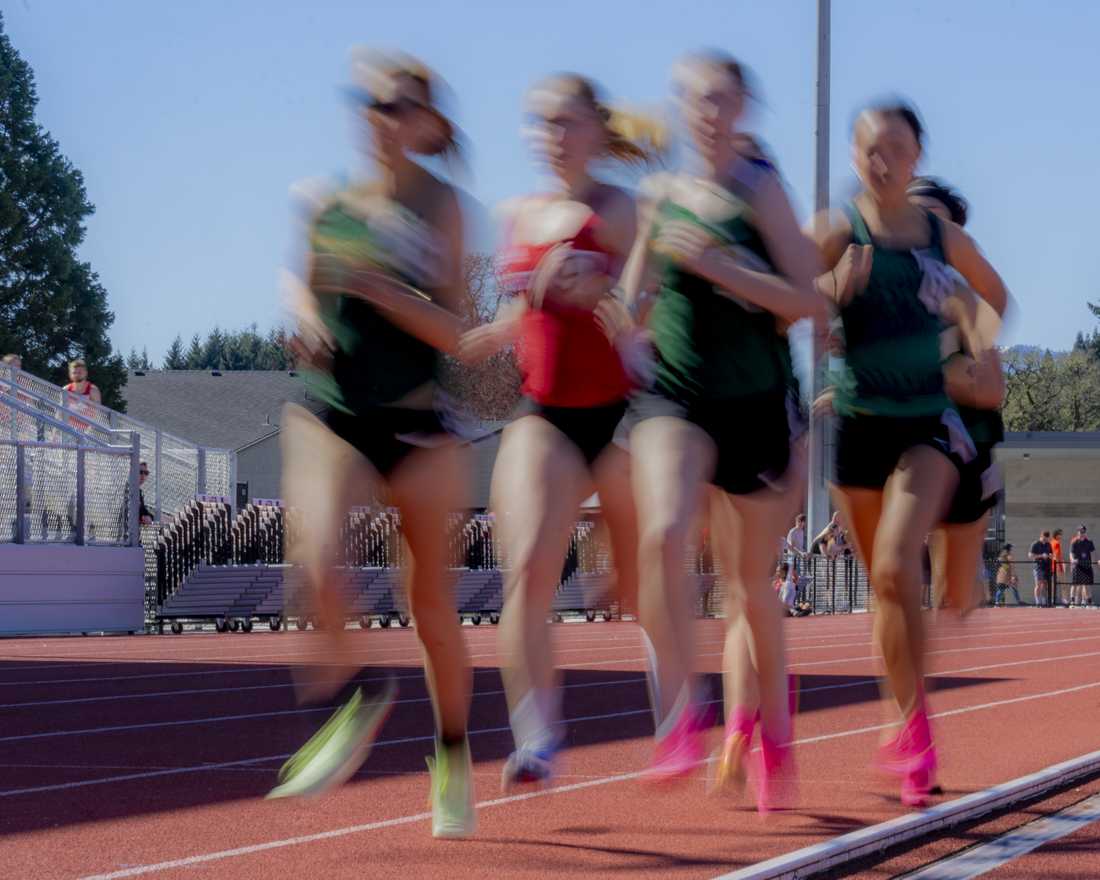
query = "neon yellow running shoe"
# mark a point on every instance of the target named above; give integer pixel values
(729, 769)
(452, 795)
(339, 748)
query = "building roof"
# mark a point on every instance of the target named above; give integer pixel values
(228, 411)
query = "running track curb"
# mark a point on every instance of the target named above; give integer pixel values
(814, 860)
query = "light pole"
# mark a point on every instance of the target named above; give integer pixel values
(817, 508)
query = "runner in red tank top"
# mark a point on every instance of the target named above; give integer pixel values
(562, 255)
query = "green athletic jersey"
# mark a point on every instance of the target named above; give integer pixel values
(892, 360)
(713, 348)
(375, 362)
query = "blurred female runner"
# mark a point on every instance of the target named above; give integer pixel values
(563, 251)
(733, 271)
(384, 278)
(900, 443)
(975, 382)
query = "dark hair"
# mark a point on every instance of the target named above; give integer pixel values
(903, 110)
(1007, 548)
(950, 198)
(724, 61)
(1057, 533)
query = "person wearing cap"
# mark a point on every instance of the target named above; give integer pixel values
(377, 305)
(1080, 554)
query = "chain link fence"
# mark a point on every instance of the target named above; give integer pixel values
(178, 469)
(67, 493)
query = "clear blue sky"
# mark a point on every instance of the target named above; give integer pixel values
(191, 120)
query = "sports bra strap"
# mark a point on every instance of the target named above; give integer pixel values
(860, 233)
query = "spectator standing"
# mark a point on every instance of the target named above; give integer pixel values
(796, 543)
(145, 515)
(80, 384)
(1057, 565)
(1080, 554)
(14, 361)
(1041, 554)
(1006, 577)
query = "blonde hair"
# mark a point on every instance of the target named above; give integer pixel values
(78, 362)
(370, 66)
(632, 138)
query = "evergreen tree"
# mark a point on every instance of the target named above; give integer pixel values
(52, 306)
(196, 355)
(176, 359)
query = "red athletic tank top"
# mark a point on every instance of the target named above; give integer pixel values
(564, 357)
(87, 392)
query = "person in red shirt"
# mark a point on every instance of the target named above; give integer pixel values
(563, 250)
(79, 384)
(1057, 565)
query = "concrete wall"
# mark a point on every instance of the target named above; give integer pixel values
(62, 588)
(260, 465)
(1052, 481)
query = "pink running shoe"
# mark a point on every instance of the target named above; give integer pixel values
(777, 777)
(912, 756)
(683, 748)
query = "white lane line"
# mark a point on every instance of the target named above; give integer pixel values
(1060, 772)
(153, 694)
(185, 653)
(1011, 845)
(802, 664)
(813, 860)
(292, 656)
(217, 719)
(220, 719)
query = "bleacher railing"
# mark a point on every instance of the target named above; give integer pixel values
(178, 469)
(72, 493)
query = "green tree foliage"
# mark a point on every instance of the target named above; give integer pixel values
(1052, 393)
(52, 306)
(196, 355)
(247, 349)
(135, 361)
(176, 359)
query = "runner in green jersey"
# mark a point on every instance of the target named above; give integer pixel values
(377, 304)
(900, 443)
(731, 271)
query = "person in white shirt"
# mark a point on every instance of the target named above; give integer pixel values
(796, 542)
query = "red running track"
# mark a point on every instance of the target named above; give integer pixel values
(149, 755)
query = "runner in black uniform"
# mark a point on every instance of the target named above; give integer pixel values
(900, 442)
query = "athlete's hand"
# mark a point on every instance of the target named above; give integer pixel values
(630, 340)
(614, 318)
(691, 247)
(566, 276)
(823, 405)
(852, 272)
(483, 342)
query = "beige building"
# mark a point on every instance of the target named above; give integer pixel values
(1052, 481)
